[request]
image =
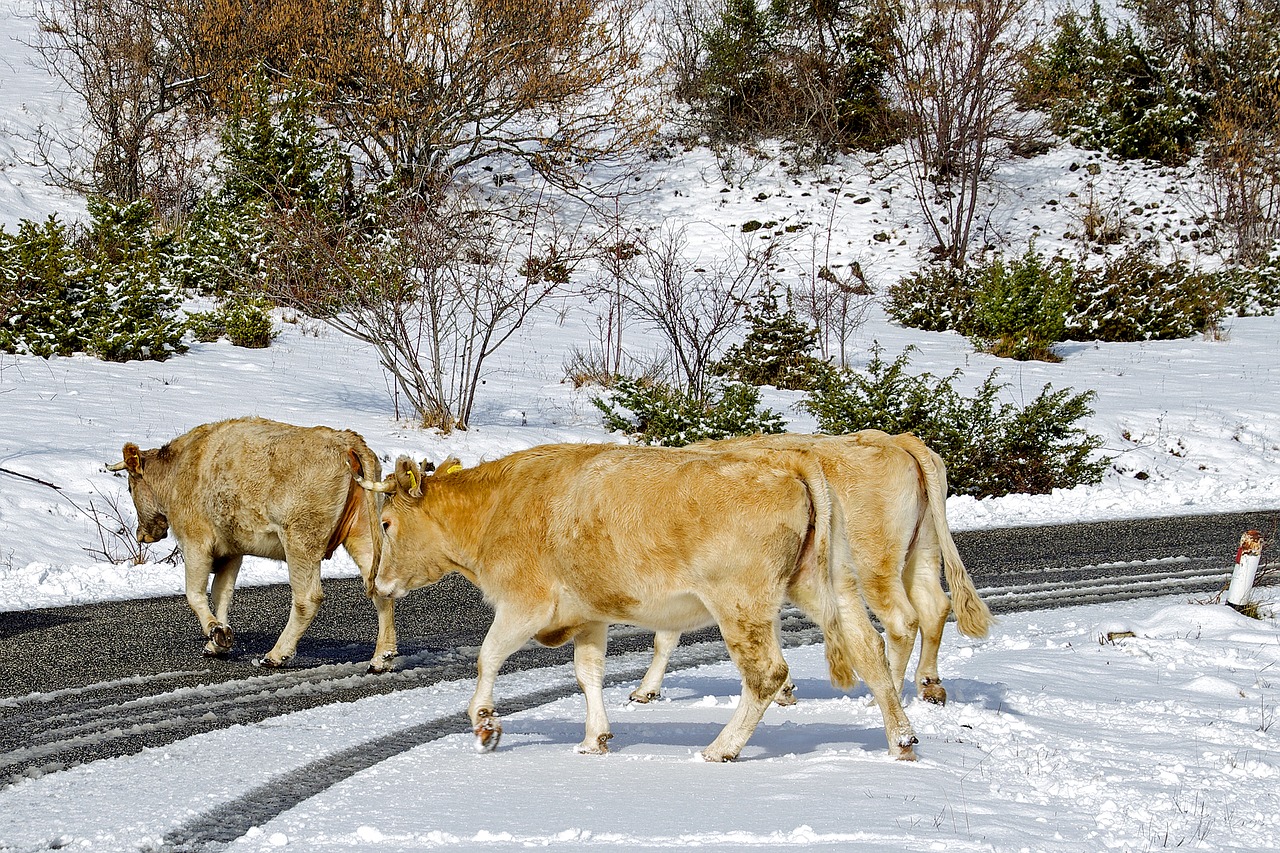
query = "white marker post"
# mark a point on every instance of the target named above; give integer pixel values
(1247, 558)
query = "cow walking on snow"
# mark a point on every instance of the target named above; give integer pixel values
(893, 492)
(265, 489)
(565, 539)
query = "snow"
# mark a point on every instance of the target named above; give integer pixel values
(1052, 740)
(1055, 737)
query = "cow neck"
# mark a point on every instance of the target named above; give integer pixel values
(463, 504)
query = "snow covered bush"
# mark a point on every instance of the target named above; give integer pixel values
(244, 319)
(777, 350)
(1103, 88)
(106, 295)
(1020, 307)
(657, 413)
(991, 447)
(1136, 297)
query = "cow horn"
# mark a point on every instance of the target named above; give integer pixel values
(384, 486)
(119, 466)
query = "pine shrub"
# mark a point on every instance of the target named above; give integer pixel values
(777, 350)
(657, 413)
(106, 294)
(1103, 89)
(991, 448)
(938, 298)
(1135, 297)
(1020, 309)
(244, 319)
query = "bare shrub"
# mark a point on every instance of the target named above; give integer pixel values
(421, 90)
(693, 302)
(127, 61)
(953, 69)
(436, 294)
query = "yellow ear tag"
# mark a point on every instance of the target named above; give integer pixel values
(413, 481)
(454, 467)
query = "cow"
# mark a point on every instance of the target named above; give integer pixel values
(261, 488)
(565, 539)
(893, 490)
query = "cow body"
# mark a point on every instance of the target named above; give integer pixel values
(564, 540)
(892, 489)
(266, 489)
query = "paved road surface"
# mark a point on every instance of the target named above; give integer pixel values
(88, 682)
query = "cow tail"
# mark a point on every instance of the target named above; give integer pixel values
(973, 617)
(365, 465)
(831, 553)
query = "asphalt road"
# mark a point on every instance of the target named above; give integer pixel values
(88, 682)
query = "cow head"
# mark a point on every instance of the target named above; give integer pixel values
(153, 524)
(414, 544)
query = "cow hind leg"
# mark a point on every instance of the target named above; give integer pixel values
(924, 586)
(664, 643)
(753, 646)
(304, 582)
(589, 646)
(852, 632)
(882, 588)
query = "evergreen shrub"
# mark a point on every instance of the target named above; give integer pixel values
(107, 294)
(777, 350)
(990, 447)
(657, 413)
(1020, 308)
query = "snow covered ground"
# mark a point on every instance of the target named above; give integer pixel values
(1054, 740)
(1051, 741)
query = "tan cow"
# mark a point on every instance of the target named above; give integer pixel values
(264, 489)
(893, 491)
(565, 539)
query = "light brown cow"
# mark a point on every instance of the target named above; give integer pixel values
(264, 489)
(893, 491)
(565, 539)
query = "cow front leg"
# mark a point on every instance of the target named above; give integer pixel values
(304, 583)
(225, 572)
(386, 648)
(589, 646)
(664, 643)
(510, 630)
(197, 568)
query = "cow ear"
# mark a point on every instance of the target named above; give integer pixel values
(132, 458)
(408, 477)
(449, 466)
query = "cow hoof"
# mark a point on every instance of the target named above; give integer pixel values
(599, 746)
(379, 665)
(221, 639)
(786, 696)
(905, 750)
(266, 662)
(932, 691)
(212, 650)
(488, 731)
(718, 757)
(644, 698)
